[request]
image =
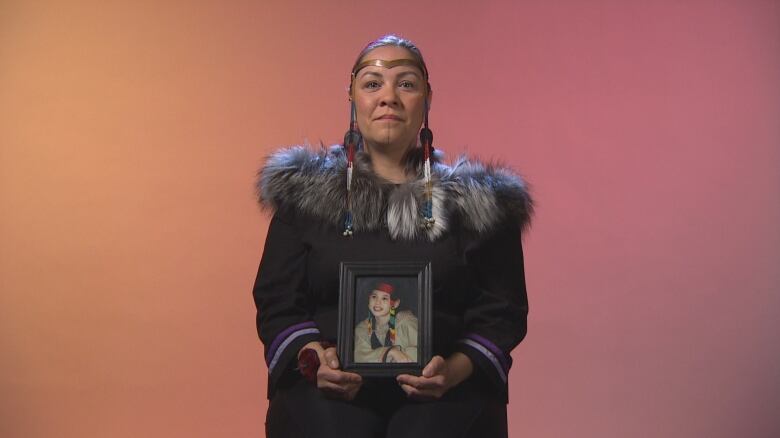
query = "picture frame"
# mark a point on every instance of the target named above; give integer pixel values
(372, 341)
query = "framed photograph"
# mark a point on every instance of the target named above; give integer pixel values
(385, 318)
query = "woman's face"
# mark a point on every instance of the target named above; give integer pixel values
(389, 102)
(380, 303)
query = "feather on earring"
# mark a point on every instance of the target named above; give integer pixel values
(351, 142)
(426, 140)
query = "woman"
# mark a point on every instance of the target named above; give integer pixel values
(383, 196)
(386, 335)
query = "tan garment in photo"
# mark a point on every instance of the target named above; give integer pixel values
(405, 339)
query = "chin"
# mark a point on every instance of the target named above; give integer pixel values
(389, 143)
(383, 141)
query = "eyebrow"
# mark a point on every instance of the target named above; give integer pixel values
(403, 73)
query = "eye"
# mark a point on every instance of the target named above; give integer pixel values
(371, 85)
(407, 84)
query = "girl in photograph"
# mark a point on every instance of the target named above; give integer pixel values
(386, 335)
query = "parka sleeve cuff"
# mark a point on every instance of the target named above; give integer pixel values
(283, 351)
(488, 359)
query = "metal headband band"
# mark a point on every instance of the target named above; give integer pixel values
(390, 64)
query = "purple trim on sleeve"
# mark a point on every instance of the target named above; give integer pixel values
(290, 339)
(505, 363)
(488, 355)
(284, 335)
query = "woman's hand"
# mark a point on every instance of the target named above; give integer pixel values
(437, 377)
(330, 379)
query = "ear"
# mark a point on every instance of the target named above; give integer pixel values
(429, 98)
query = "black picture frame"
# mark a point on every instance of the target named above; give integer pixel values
(413, 282)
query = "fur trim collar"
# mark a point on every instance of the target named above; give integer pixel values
(475, 195)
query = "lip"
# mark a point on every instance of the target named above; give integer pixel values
(389, 117)
(377, 309)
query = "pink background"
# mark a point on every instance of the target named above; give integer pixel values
(130, 133)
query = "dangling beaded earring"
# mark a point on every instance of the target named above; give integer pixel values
(351, 142)
(426, 140)
(391, 325)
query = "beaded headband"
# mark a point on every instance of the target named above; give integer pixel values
(389, 64)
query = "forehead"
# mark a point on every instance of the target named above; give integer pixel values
(380, 293)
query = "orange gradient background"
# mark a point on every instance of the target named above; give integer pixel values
(130, 133)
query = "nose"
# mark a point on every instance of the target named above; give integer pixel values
(389, 96)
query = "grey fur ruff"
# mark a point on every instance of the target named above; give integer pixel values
(475, 195)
